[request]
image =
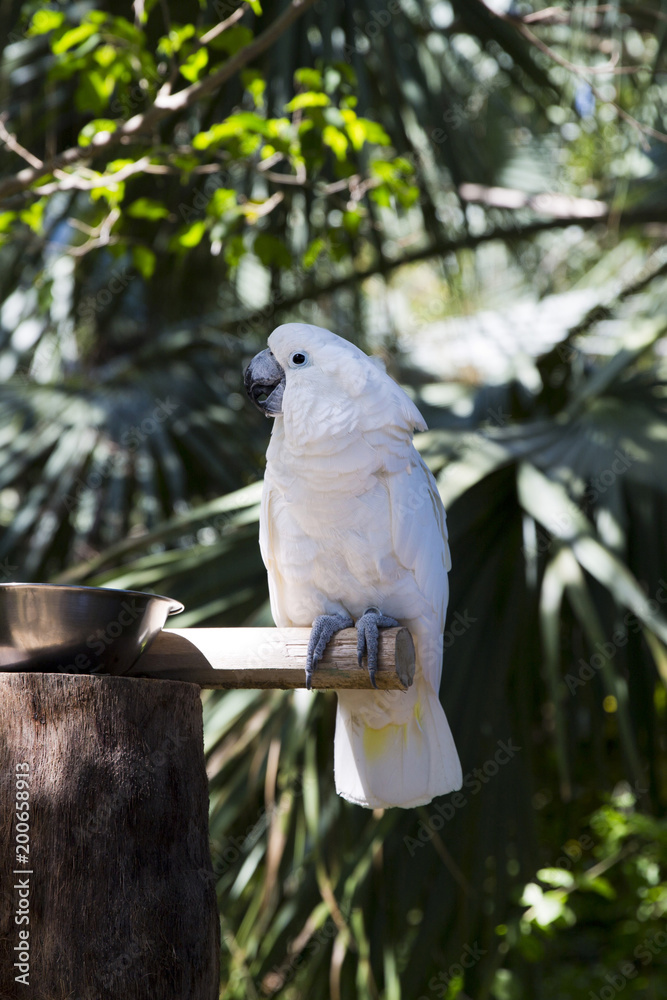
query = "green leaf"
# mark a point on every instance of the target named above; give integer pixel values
(222, 200)
(97, 17)
(233, 39)
(255, 84)
(407, 194)
(311, 99)
(89, 131)
(310, 78)
(194, 65)
(148, 208)
(172, 43)
(143, 259)
(384, 169)
(381, 196)
(119, 164)
(255, 7)
(248, 120)
(403, 165)
(313, 252)
(362, 130)
(105, 55)
(236, 126)
(45, 20)
(374, 132)
(233, 250)
(354, 129)
(192, 235)
(112, 192)
(94, 90)
(335, 140)
(352, 221)
(558, 877)
(186, 163)
(73, 37)
(6, 220)
(600, 885)
(33, 215)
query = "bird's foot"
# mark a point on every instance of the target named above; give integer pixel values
(368, 636)
(323, 628)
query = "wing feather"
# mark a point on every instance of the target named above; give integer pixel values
(267, 547)
(419, 533)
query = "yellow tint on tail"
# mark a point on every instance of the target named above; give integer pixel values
(378, 741)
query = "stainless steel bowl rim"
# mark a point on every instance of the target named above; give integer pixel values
(175, 607)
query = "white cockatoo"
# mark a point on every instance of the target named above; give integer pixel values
(352, 530)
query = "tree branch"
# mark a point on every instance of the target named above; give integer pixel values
(447, 246)
(165, 104)
(560, 206)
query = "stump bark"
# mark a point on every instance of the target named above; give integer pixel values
(108, 854)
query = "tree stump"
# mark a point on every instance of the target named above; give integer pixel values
(107, 890)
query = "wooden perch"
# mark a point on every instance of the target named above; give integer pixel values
(273, 658)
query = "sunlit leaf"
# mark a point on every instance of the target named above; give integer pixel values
(192, 235)
(73, 37)
(336, 140)
(309, 99)
(147, 208)
(45, 20)
(96, 127)
(144, 260)
(194, 65)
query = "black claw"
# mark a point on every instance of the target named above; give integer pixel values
(324, 627)
(368, 638)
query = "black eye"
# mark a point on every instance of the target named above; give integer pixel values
(298, 359)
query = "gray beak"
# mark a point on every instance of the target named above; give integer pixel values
(264, 381)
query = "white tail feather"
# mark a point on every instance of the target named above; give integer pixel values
(398, 765)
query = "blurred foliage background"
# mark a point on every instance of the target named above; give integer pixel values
(478, 192)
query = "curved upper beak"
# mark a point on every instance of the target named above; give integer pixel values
(264, 381)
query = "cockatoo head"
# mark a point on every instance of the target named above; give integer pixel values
(302, 363)
(326, 392)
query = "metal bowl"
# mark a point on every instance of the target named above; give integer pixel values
(57, 628)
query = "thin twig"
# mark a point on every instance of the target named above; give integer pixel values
(606, 69)
(99, 237)
(186, 97)
(270, 161)
(299, 178)
(558, 15)
(224, 25)
(66, 181)
(264, 208)
(12, 143)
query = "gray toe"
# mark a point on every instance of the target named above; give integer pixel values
(324, 627)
